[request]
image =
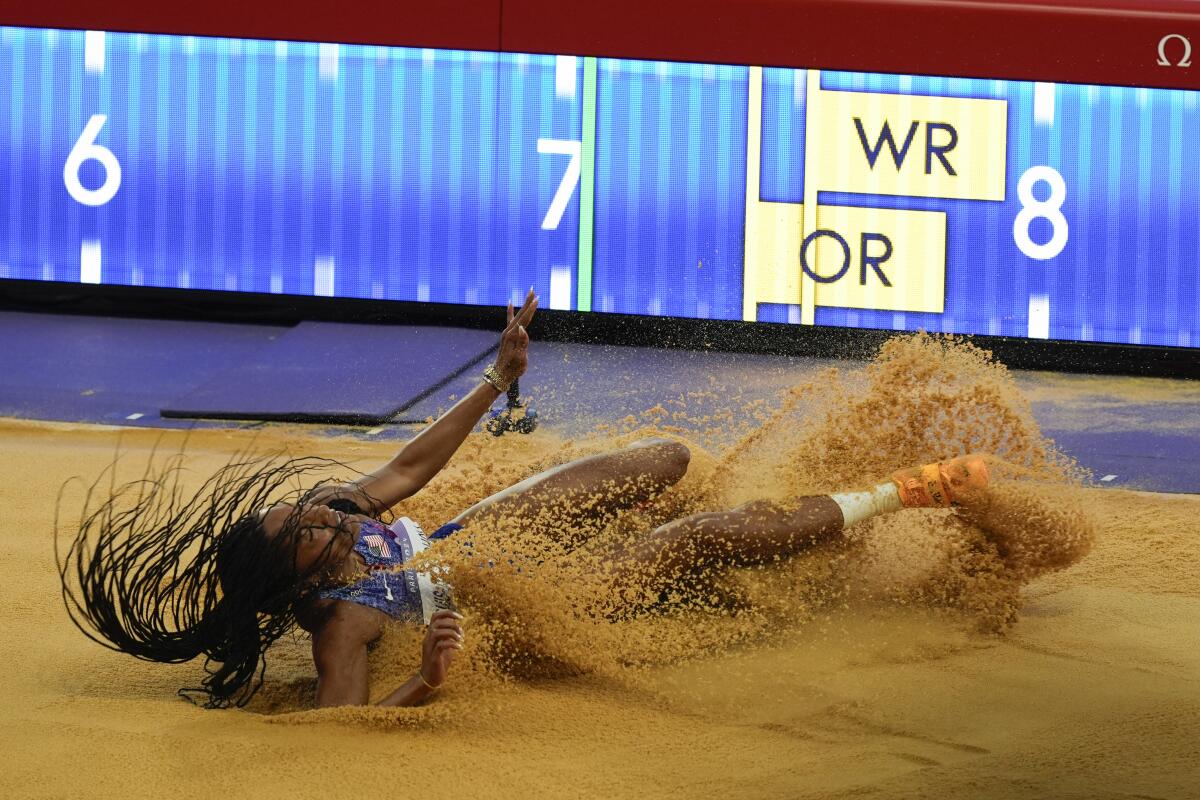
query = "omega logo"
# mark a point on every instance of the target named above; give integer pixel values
(1185, 61)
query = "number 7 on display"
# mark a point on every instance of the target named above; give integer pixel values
(570, 178)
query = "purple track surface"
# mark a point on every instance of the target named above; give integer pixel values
(98, 369)
(336, 373)
(101, 370)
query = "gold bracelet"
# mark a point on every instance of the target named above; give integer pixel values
(428, 685)
(492, 376)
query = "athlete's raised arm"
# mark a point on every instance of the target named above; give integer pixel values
(420, 459)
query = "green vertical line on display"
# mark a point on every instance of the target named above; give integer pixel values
(587, 188)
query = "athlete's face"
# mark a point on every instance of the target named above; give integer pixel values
(323, 536)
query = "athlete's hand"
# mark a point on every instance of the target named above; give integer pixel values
(512, 359)
(443, 639)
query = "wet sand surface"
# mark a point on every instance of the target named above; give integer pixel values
(886, 675)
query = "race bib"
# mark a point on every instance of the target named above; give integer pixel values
(428, 594)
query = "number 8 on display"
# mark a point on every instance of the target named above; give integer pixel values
(86, 148)
(1049, 209)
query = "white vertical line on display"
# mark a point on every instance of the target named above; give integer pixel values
(327, 61)
(560, 288)
(1043, 103)
(280, 51)
(423, 292)
(47, 271)
(89, 261)
(93, 52)
(1039, 316)
(1039, 304)
(189, 45)
(565, 77)
(323, 277)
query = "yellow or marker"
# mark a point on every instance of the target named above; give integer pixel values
(864, 247)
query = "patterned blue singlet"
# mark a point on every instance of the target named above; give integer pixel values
(402, 594)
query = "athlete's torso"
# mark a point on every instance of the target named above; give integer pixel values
(399, 593)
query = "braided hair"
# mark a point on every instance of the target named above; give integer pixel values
(169, 578)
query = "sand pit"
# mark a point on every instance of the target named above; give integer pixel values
(872, 670)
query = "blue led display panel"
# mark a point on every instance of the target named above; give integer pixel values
(688, 190)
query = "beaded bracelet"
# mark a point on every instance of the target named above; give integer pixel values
(492, 376)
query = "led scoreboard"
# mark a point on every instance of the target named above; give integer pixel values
(800, 195)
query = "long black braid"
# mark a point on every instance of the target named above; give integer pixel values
(167, 578)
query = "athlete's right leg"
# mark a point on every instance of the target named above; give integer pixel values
(760, 532)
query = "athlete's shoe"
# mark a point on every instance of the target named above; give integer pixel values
(943, 484)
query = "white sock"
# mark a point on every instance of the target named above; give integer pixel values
(857, 506)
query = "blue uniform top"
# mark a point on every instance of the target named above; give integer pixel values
(402, 594)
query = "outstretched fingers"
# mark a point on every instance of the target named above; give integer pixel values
(523, 317)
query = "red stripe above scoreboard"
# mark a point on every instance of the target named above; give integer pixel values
(1082, 41)
(461, 25)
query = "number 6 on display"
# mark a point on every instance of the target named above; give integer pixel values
(570, 178)
(86, 148)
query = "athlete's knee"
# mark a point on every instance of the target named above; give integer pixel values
(670, 457)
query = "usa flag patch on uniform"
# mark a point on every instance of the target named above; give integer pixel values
(377, 546)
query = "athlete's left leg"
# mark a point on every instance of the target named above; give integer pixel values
(588, 491)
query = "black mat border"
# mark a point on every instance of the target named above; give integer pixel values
(572, 326)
